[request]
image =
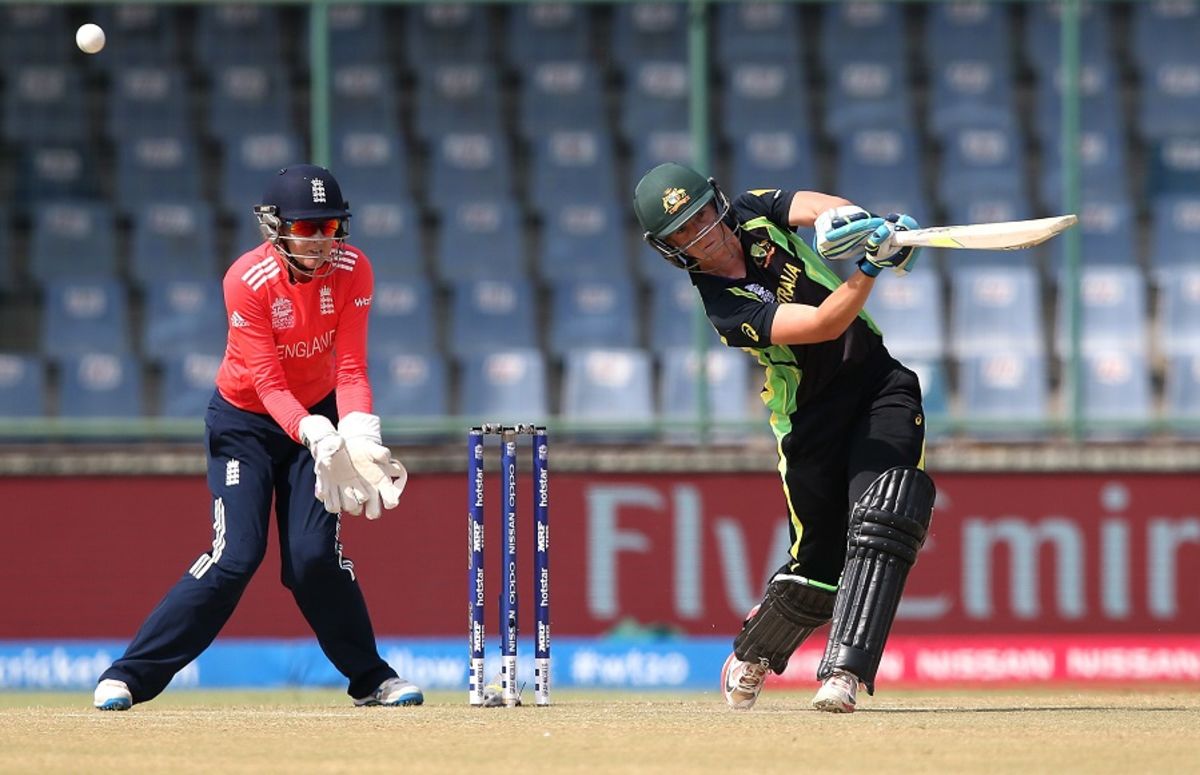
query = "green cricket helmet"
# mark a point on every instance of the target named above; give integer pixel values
(666, 198)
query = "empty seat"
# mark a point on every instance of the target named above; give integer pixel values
(456, 98)
(570, 166)
(389, 232)
(249, 99)
(592, 312)
(187, 384)
(22, 385)
(35, 33)
(1173, 166)
(72, 240)
(246, 168)
(1116, 394)
(676, 315)
(238, 33)
(43, 103)
(183, 316)
(727, 379)
(100, 385)
(656, 99)
(1112, 309)
(561, 95)
(648, 31)
(438, 33)
(844, 27)
(755, 30)
(57, 171)
(1169, 98)
(880, 166)
(1100, 106)
(996, 308)
(609, 386)
(1163, 31)
(771, 158)
(909, 313)
(970, 91)
(495, 314)
(1174, 234)
(1106, 233)
(1043, 34)
(547, 32)
(505, 384)
(872, 91)
(149, 100)
(1181, 394)
(1101, 165)
(147, 34)
(763, 95)
(978, 30)
(84, 316)
(403, 316)
(173, 240)
(371, 166)
(583, 239)
(980, 160)
(364, 98)
(1179, 311)
(358, 33)
(989, 207)
(480, 239)
(1004, 394)
(467, 166)
(409, 384)
(155, 168)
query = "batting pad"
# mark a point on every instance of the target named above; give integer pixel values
(887, 529)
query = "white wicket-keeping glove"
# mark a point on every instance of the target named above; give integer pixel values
(881, 250)
(373, 461)
(841, 232)
(339, 485)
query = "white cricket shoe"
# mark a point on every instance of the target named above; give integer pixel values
(393, 691)
(837, 694)
(742, 681)
(112, 695)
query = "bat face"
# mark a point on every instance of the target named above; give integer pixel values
(1004, 235)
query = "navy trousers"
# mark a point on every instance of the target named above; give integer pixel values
(251, 462)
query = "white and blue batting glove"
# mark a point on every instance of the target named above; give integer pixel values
(841, 232)
(880, 250)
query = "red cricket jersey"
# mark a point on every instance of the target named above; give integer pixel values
(290, 344)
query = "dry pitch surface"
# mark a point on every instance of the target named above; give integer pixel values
(947, 732)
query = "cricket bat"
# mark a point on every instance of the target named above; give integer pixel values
(1002, 235)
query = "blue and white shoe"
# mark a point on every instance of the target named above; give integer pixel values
(112, 695)
(393, 691)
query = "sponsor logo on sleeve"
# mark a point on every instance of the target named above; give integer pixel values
(362, 301)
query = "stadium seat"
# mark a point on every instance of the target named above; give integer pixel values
(746, 31)
(644, 32)
(156, 168)
(248, 100)
(22, 385)
(173, 240)
(674, 308)
(1174, 234)
(987, 207)
(459, 98)
(547, 32)
(148, 36)
(1004, 394)
(247, 165)
(409, 385)
(1173, 166)
(969, 30)
(480, 239)
(877, 168)
(1163, 32)
(1112, 309)
(1107, 229)
(1181, 394)
(468, 166)
(389, 233)
(770, 159)
(583, 239)
(611, 386)
(100, 385)
(1043, 34)
(873, 92)
(655, 99)
(505, 384)
(371, 166)
(844, 27)
(980, 161)
(41, 103)
(364, 95)
(730, 396)
(995, 308)
(1100, 107)
(1179, 311)
(359, 33)
(187, 384)
(72, 240)
(183, 316)
(1169, 98)
(149, 100)
(763, 95)
(493, 314)
(35, 33)
(403, 317)
(1102, 166)
(572, 166)
(908, 311)
(238, 34)
(441, 33)
(561, 96)
(1116, 395)
(56, 171)
(84, 316)
(592, 312)
(970, 91)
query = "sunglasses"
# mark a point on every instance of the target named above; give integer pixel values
(325, 228)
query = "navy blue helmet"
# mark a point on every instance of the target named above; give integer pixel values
(303, 195)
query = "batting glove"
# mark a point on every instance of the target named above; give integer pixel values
(373, 461)
(339, 485)
(842, 231)
(881, 251)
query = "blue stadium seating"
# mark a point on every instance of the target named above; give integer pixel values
(173, 240)
(403, 317)
(658, 147)
(1004, 394)
(22, 385)
(1100, 107)
(246, 168)
(389, 233)
(1174, 235)
(995, 308)
(986, 208)
(771, 159)
(969, 30)
(1106, 233)
(763, 95)
(1179, 311)
(187, 384)
(656, 99)
(492, 314)
(157, 168)
(100, 384)
(409, 385)
(365, 98)
(461, 98)
(1174, 165)
(674, 308)
(1163, 32)
(466, 166)
(644, 32)
(440, 33)
(845, 26)
(970, 90)
(56, 171)
(239, 34)
(583, 239)
(730, 397)
(981, 161)
(358, 33)
(42, 103)
(560, 95)
(908, 310)
(183, 316)
(1181, 392)
(1116, 394)
(371, 166)
(1102, 166)
(72, 240)
(547, 32)
(147, 36)
(746, 31)
(149, 100)
(84, 316)
(35, 33)
(1043, 34)
(248, 100)
(1112, 309)
(571, 166)
(505, 384)
(480, 239)
(873, 91)
(1170, 96)
(880, 169)
(609, 386)
(592, 312)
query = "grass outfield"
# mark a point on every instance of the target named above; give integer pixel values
(1117, 731)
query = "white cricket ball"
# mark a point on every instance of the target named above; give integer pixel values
(90, 38)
